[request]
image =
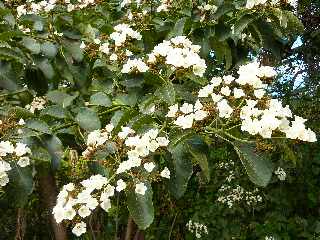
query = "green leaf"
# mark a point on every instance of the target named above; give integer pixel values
(257, 164)
(88, 119)
(54, 148)
(198, 150)
(38, 126)
(141, 207)
(100, 99)
(31, 45)
(178, 28)
(55, 111)
(46, 68)
(20, 112)
(61, 98)
(182, 164)
(166, 93)
(20, 185)
(49, 49)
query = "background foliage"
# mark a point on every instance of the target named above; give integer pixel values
(43, 61)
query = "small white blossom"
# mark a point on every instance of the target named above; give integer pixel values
(140, 188)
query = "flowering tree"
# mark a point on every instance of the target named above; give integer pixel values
(121, 96)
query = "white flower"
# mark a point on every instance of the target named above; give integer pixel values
(266, 71)
(259, 93)
(186, 108)
(21, 122)
(125, 131)
(97, 138)
(225, 91)
(162, 141)
(84, 211)
(79, 229)
(106, 205)
(5, 148)
(281, 174)
(82, 45)
(228, 79)
(216, 97)
(172, 111)
(200, 115)
(121, 185)
(109, 127)
(58, 212)
(225, 110)
(149, 166)
(108, 192)
(140, 188)
(23, 161)
(113, 57)
(69, 213)
(133, 64)
(238, 93)
(97, 41)
(92, 203)
(165, 173)
(21, 149)
(185, 121)
(104, 48)
(206, 91)
(216, 81)
(4, 179)
(4, 166)
(69, 187)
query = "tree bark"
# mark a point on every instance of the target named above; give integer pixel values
(48, 191)
(130, 226)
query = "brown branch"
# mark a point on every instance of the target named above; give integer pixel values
(21, 224)
(130, 226)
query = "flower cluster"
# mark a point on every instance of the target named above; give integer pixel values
(179, 52)
(33, 7)
(36, 7)
(187, 114)
(232, 195)
(18, 153)
(134, 64)
(74, 204)
(164, 6)
(140, 147)
(97, 138)
(38, 103)
(281, 174)
(275, 117)
(77, 204)
(252, 3)
(197, 228)
(122, 33)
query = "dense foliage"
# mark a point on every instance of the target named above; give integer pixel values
(159, 119)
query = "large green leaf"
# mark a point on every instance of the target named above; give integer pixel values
(31, 44)
(100, 99)
(182, 164)
(166, 93)
(38, 126)
(257, 164)
(178, 28)
(88, 119)
(20, 185)
(198, 151)
(54, 148)
(141, 207)
(55, 111)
